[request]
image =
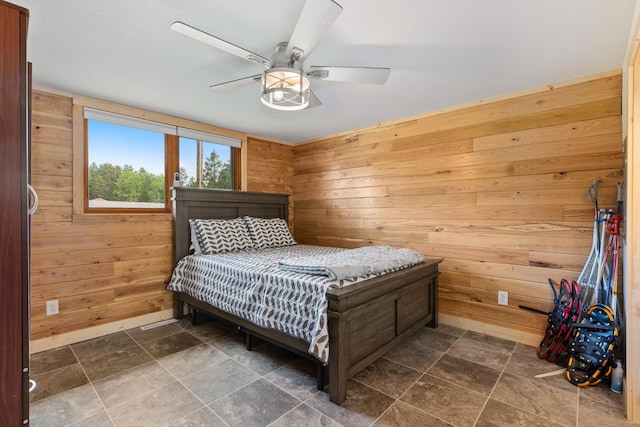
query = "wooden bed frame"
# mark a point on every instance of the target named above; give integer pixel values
(365, 320)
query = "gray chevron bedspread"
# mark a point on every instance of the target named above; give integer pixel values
(365, 261)
(250, 284)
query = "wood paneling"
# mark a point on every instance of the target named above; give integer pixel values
(496, 189)
(270, 169)
(631, 287)
(105, 268)
(87, 264)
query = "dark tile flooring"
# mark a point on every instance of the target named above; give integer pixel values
(184, 375)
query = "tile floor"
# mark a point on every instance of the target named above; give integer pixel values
(184, 375)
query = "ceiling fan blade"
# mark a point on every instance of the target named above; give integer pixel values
(371, 75)
(194, 33)
(235, 84)
(315, 19)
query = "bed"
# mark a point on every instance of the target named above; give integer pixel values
(364, 319)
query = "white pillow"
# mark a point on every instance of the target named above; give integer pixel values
(269, 233)
(194, 248)
(213, 236)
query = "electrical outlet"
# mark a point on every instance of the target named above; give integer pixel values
(52, 307)
(503, 297)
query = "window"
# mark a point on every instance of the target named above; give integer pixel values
(126, 167)
(205, 164)
(207, 160)
(130, 162)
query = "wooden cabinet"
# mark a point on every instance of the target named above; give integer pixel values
(14, 220)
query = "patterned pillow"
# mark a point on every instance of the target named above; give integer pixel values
(220, 235)
(269, 233)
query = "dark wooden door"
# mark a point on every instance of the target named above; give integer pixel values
(14, 243)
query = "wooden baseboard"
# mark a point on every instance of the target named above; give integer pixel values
(494, 331)
(97, 331)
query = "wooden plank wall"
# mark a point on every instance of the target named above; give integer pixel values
(631, 241)
(105, 268)
(496, 189)
(270, 169)
(100, 269)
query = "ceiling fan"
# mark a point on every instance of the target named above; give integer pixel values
(284, 83)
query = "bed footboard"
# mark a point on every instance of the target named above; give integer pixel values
(367, 321)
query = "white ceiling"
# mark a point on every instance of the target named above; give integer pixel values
(442, 53)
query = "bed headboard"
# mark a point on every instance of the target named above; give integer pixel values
(194, 203)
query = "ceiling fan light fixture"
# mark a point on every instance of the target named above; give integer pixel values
(285, 89)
